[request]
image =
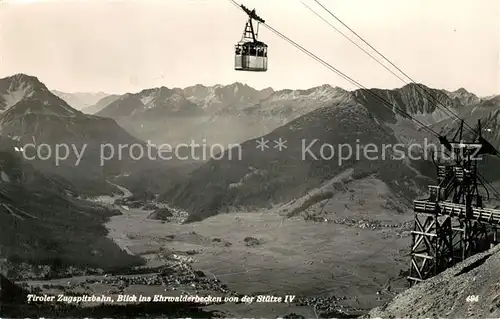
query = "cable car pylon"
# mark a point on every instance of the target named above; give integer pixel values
(250, 53)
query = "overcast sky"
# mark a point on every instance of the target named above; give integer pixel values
(125, 46)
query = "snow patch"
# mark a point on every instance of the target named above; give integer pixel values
(246, 177)
(321, 93)
(15, 95)
(209, 99)
(146, 100)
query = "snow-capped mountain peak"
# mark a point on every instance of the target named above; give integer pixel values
(24, 94)
(224, 95)
(320, 93)
(464, 97)
(16, 88)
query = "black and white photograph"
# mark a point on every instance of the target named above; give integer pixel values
(289, 159)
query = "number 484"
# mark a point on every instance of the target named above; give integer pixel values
(472, 298)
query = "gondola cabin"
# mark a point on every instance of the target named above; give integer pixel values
(250, 56)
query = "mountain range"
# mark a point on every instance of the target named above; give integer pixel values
(198, 112)
(232, 114)
(238, 114)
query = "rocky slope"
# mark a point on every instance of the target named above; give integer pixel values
(448, 295)
(464, 97)
(423, 103)
(487, 111)
(43, 223)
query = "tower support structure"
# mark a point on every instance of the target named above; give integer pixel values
(452, 224)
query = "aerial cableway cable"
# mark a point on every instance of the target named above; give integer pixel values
(490, 121)
(364, 50)
(385, 102)
(438, 103)
(427, 92)
(492, 188)
(361, 48)
(350, 40)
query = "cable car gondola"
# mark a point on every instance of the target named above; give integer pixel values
(251, 54)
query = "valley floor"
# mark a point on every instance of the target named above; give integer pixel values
(359, 266)
(293, 257)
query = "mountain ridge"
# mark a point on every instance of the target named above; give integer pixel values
(80, 100)
(248, 112)
(461, 94)
(99, 105)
